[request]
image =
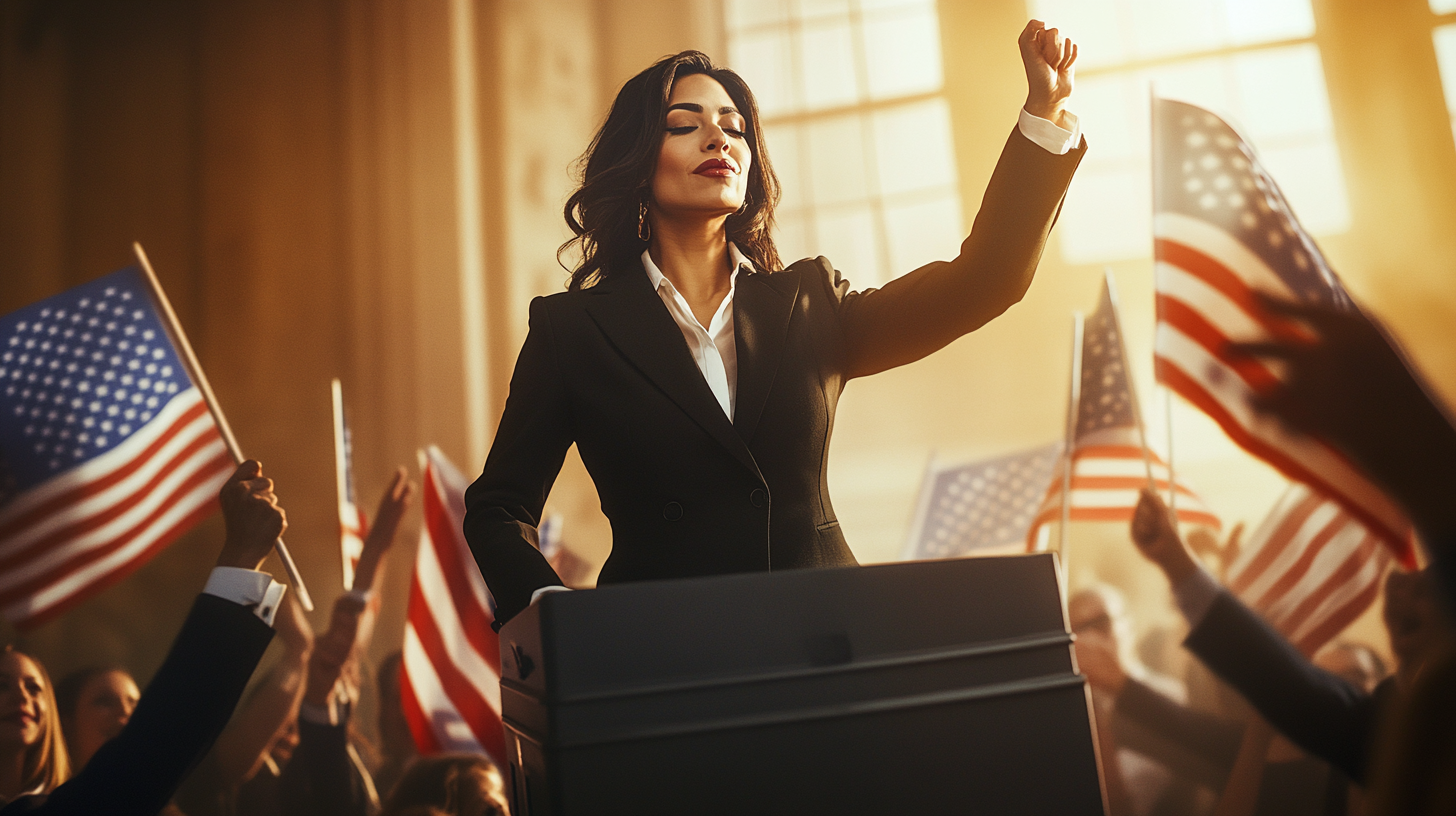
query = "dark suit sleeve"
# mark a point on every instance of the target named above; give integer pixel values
(503, 506)
(926, 309)
(178, 718)
(1315, 709)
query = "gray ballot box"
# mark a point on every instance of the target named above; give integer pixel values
(925, 687)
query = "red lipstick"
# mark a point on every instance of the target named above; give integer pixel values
(716, 167)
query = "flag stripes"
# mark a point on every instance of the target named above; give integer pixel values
(93, 525)
(1106, 483)
(451, 658)
(1222, 232)
(1310, 569)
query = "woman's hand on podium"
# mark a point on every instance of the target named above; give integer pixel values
(1156, 537)
(1048, 58)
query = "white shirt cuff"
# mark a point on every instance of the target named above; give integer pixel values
(1048, 135)
(1194, 595)
(250, 588)
(335, 713)
(547, 590)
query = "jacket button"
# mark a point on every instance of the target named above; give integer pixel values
(758, 498)
(672, 511)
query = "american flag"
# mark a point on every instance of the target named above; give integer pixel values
(1109, 461)
(450, 675)
(981, 507)
(107, 450)
(1310, 569)
(353, 526)
(1222, 230)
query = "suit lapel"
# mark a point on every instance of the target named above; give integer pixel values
(637, 324)
(762, 306)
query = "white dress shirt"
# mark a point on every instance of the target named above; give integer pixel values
(712, 346)
(249, 588)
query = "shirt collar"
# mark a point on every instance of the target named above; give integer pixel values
(740, 263)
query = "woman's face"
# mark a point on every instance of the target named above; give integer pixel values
(22, 702)
(102, 710)
(702, 168)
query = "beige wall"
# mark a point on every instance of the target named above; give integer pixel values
(292, 169)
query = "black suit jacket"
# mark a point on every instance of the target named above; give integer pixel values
(1316, 710)
(178, 718)
(688, 492)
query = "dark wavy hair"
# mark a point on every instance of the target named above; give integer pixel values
(617, 167)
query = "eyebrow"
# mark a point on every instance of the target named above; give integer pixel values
(696, 108)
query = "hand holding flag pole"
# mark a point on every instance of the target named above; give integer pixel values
(194, 369)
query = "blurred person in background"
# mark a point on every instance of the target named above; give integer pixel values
(396, 742)
(195, 691)
(94, 704)
(450, 784)
(240, 775)
(1318, 710)
(33, 758)
(1347, 382)
(292, 749)
(1143, 780)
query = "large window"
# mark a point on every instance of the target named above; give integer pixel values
(1253, 61)
(858, 131)
(1445, 35)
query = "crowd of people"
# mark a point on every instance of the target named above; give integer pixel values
(1248, 726)
(93, 743)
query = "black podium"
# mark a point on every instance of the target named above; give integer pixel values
(927, 687)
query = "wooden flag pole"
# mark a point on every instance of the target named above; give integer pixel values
(1172, 481)
(194, 370)
(1137, 411)
(341, 478)
(1074, 407)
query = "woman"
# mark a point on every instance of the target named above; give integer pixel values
(698, 384)
(94, 704)
(451, 785)
(33, 756)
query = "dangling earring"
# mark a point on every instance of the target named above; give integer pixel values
(644, 229)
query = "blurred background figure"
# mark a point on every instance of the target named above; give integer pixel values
(451, 785)
(33, 755)
(94, 705)
(396, 743)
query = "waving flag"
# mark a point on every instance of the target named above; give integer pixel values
(353, 526)
(1109, 461)
(107, 450)
(1222, 230)
(982, 507)
(1310, 569)
(450, 675)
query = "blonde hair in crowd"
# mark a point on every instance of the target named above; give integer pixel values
(47, 764)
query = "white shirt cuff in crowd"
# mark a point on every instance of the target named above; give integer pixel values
(547, 590)
(1194, 595)
(1048, 135)
(331, 714)
(249, 588)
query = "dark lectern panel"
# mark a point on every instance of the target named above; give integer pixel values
(926, 687)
